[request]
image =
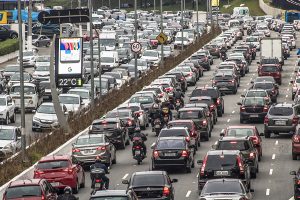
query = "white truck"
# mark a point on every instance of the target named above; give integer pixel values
(271, 48)
(109, 40)
(109, 60)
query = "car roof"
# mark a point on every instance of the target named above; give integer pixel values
(54, 157)
(192, 108)
(25, 182)
(225, 152)
(150, 172)
(284, 105)
(92, 136)
(224, 180)
(242, 126)
(230, 138)
(104, 193)
(181, 121)
(7, 127)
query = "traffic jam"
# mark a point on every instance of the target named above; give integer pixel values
(223, 124)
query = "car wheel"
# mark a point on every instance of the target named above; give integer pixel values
(76, 189)
(14, 36)
(82, 185)
(6, 120)
(294, 156)
(37, 44)
(13, 118)
(267, 134)
(114, 161)
(220, 113)
(223, 109)
(48, 44)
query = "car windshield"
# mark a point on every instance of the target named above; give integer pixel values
(222, 187)
(151, 53)
(181, 124)
(281, 111)
(256, 94)
(46, 109)
(170, 144)
(183, 69)
(53, 164)
(83, 94)
(263, 86)
(16, 77)
(141, 99)
(254, 101)
(240, 132)
(27, 53)
(110, 198)
(216, 162)
(107, 59)
(269, 69)
(252, 39)
(43, 59)
(148, 180)
(89, 140)
(269, 61)
(190, 114)
(205, 92)
(68, 100)
(12, 69)
(107, 42)
(117, 114)
(233, 145)
(22, 191)
(173, 132)
(6, 134)
(42, 68)
(139, 62)
(27, 90)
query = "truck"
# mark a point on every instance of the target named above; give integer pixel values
(109, 40)
(271, 48)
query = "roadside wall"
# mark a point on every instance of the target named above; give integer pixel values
(269, 10)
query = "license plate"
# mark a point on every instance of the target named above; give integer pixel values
(88, 151)
(97, 185)
(222, 88)
(170, 154)
(280, 123)
(253, 116)
(137, 152)
(177, 104)
(221, 173)
(54, 184)
(157, 126)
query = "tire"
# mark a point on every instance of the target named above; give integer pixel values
(223, 110)
(294, 156)
(76, 189)
(138, 162)
(6, 119)
(13, 119)
(14, 36)
(37, 44)
(220, 113)
(48, 44)
(82, 185)
(267, 134)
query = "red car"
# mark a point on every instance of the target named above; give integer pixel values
(60, 172)
(243, 131)
(296, 143)
(30, 189)
(193, 130)
(270, 70)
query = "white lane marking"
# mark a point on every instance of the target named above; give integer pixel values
(268, 192)
(292, 198)
(233, 112)
(273, 157)
(188, 193)
(287, 96)
(244, 89)
(271, 172)
(288, 89)
(197, 175)
(228, 120)
(125, 176)
(248, 83)
(276, 143)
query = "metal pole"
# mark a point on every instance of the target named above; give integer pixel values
(91, 53)
(210, 13)
(23, 133)
(161, 30)
(184, 5)
(29, 36)
(154, 2)
(100, 68)
(197, 8)
(181, 25)
(119, 4)
(80, 25)
(135, 40)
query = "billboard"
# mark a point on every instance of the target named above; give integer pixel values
(215, 3)
(68, 62)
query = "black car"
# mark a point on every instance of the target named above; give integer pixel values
(180, 78)
(6, 33)
(271, 88)
(253, 108)
(214, 93)
(223, 164)
(170, 152)
(296, 180)
(114, 129)
(203, 60)
(245, 146)
(49, 30)
(151, 185)
(225, 82)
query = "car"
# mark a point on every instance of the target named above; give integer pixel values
(73, 102)
(225, 81)
(203, 60)
(113, 194)
(189, 74)
(225, 189)
(271, 88)
(214, 93)
(29, 58)
(223, 164)
(199, 116)
(10, 70)
(67, 173)
(41, 40)
(152, 57)
(141, 183)
(268, 61)
(6, 33)
(87, 147)
(146, 100)
(296, 181)
(239, 63)
(173, 152)
(15, 78)
(113, 128)
(257, 93)
(296, 143)
(29, 189)
(180, 78)
(213, 49)
(296, 85)
(7, 109)
(253, 108)
(281, 118)
(42, 72)
(142, 65)
(118, 76)
(162, 95)
(124, 55)
(84, 93)
(45, 117)
(10, 140)
(270, 70)
(245, 146)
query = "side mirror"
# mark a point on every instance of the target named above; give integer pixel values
(174, 180)
(125, 182)
(242, 95)
(214, 146)
(33, 111)
(261, 134)
(293, 173)
(239, 103)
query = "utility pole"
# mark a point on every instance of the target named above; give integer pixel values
(210, 13)
(119, 4)
(80, 25)
(91, 53)
(162, 31)
(197, 8)
(135, 39)
(29, 36)
(181, 25)
(154, 6)
(23, 133)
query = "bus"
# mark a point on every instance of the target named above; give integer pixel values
(291, 15)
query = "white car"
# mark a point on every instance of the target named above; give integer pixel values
(10, 140)
(295, 84)
(29, 58)
(7, 109)
(42, 60)
(84, 93)
(72, 102)
(162, 96)
(42, 72)
(152, 57)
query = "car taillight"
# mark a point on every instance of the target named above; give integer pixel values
(265, 109)
(218, 101)
(69, 170)
(155, 154)
(214, 81)
(296, 139)
(182, 79)
(190, 74)
(76, 150)
(101, 148)
(211, 107)
(137, 147)
(278, 73)
(161, 94)
(43, 197)
(206, 59)
(38, 173)
(232, 81)
(166, 191)
(193, 134)
(273, 91)
(255, 139)
(98, 180)
(298, 182)
(203, 166)
(295, 120)
(204, 123)
(184, 153)
(129, 122)
(240, 165)
(188, 139)
(252, 155)
(266, 120)
(242, 109)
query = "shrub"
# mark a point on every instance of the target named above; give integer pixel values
(8, 46)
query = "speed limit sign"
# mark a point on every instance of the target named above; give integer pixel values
(136, 47)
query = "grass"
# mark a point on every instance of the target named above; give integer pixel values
(8, 46)
(252, 4)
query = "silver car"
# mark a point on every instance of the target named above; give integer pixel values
(87, 147)
(10, 140)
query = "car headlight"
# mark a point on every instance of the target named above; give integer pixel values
(36, 119)
(7, 147)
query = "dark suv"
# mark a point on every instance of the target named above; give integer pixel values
(6, 33)
(223, 164)
(214, 93)
(245, 146)
(151, 185)
(253, 108)
(281, 118)
(225, 82)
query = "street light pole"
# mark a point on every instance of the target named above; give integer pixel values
(29, 36)
(135, 39)
(197, 8)
(154, 6)
(23, 134)
(181, 25)
(161, 30)
(80, 25)
(91, 53)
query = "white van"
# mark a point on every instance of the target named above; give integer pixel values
(240, 11)
(109, 60)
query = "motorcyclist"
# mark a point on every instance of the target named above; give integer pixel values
(67, 195)
(249, 31)
(137, 133)
(166, 109)
(155, 113)
(223, 51)
(98, 164)
(178, 94)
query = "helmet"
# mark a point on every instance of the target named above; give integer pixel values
(155, 106)
(68, 190)
(178, 88)
(98, 159)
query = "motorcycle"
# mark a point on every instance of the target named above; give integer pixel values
(178, 104)
(96, 176)
(223, 56)
(166, 118)
(157, 126)
(137, 149)
(249, 32)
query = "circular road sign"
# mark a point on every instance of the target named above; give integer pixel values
(136, 47)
